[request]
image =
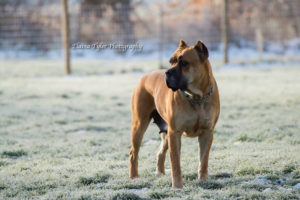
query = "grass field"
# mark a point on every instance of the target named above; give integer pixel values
(68, 137)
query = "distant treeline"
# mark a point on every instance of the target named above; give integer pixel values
(37, 23)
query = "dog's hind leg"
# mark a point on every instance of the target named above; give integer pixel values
(138, 129)
(142, 106)
(161, 154)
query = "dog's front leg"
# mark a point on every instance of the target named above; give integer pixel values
(205, 142)
(174, 143)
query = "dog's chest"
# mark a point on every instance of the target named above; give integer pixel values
(197, 123)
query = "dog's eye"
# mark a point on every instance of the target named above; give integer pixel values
(183, 63)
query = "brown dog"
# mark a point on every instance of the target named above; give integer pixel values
(184, 100)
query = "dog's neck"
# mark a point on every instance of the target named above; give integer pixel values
(202, 84)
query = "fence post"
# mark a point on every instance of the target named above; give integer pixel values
(225, 29)
(66, 35)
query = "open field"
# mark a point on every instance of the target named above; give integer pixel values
(68, 137)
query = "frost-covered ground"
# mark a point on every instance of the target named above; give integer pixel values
(68, 137)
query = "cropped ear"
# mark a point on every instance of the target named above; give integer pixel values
(182, 44)
(201, 50)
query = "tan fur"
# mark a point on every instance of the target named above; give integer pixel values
(182, 117)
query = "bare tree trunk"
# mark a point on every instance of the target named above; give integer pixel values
(225, 29)
(161, 37)
(66, 35)
(292, 6)
(258, 19)
(259, 41)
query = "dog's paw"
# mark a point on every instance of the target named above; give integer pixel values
(177, 185)
(203, 178)
(159, 173)
(134, 177)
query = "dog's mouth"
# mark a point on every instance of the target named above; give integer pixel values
(174, 87)
(171, 85)
(175, 81)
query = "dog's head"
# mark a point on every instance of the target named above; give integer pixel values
(187, 64)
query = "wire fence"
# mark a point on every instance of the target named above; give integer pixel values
(35, 25)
